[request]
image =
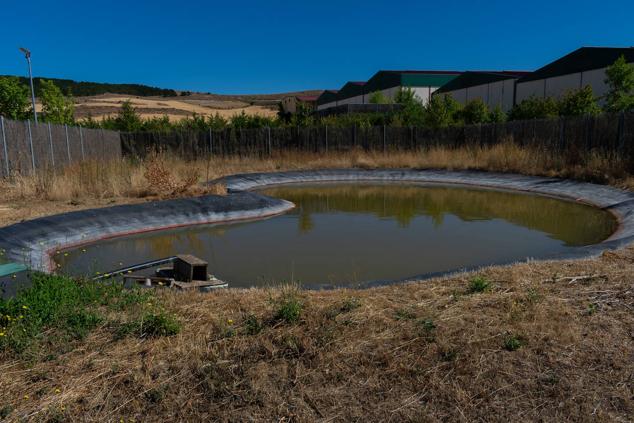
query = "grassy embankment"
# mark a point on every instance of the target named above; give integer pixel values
(94, 184)
(547, 341)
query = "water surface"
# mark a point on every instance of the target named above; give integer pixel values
(343, 234)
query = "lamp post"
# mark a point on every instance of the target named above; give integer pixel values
(27, 55)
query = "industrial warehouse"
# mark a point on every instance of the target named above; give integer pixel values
(501, 89)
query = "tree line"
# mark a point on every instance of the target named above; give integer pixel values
(441, 111)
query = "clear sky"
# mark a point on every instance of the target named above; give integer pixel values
(250, 46)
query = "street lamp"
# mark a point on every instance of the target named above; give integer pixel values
(27, 55)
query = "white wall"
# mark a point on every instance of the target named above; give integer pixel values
(558, 85)
(326, 105)
(494, 94)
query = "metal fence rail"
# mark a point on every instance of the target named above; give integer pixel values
(26, 147)
(606, 133)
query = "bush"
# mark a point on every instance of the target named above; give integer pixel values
(620, 80)
(535, 108)
(289, 308)
(151, 325)
(442, 111)
(478, 284)
(579, 103)
(475, 111)
(513, 342)
(56, 107)
(14, 98)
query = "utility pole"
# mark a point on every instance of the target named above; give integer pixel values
(27, 55)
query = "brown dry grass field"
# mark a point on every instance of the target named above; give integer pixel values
(534, 341)
(94, 184)
(175, 108)
(547, 341)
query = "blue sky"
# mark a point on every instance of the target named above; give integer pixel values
(250, 46)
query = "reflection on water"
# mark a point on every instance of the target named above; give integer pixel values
(346, 234)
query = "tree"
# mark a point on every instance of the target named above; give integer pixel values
(475, 111)
(378, 97)
(127, 120)
(412, 112)
(14, 98)
(56, 107)
(535, 108)
(620, 81)
(497, 115)
(442, 111)
(579, 103)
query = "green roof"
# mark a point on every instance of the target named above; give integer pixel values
(385, 79)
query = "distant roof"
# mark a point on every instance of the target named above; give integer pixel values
(351, 89)
(475, 78)
(307, 98)
(328, 96)
(582, 59)
(385, 79)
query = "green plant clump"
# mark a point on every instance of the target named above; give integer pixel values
(289, 309)
(479, 284)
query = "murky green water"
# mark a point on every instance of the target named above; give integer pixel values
(347, 234)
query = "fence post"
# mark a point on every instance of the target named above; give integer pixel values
(67, 143)
(4, 146)
(50, 141)
(384, 140)
(28, 124)
(268, 130)
(211, 146)
(81, 142)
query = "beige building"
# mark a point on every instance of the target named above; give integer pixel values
(585, 66)
(494, 88)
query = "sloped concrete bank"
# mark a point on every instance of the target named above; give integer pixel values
(33, 242)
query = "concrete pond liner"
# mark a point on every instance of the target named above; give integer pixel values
(34, 242)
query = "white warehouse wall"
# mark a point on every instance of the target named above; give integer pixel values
(494, 94)
(557, 86)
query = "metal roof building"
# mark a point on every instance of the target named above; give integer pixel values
(584, 66)
(327, 99)
(422, 82)
(494, 88)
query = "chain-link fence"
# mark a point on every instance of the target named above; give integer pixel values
(26, 147)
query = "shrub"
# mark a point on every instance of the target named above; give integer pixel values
(513, 342)
(620, 80)
(151, 325)
(56, 107)
(252, 325)
(442, 111)
(475, 111)
(579, 103)
(14, 98)
(289, 308)
(478, 284)
(535, 108)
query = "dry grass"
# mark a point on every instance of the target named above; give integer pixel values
(533, 346)
(94, 184)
